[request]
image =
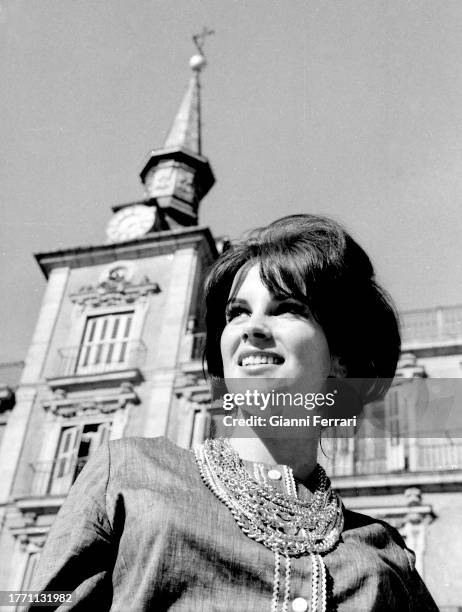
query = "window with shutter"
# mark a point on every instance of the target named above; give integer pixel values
(76, 445)
(105, 343)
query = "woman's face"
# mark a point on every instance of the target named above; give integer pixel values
(271, 338)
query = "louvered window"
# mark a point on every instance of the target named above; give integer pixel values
(105, 343)
(76, 445)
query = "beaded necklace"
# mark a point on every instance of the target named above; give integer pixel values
(288, 526)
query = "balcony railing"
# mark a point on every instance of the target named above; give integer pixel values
(100, 357)
(420, 456)
(439, 455)
(45, 478)
(432, 325)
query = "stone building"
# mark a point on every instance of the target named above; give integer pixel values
(116, 352)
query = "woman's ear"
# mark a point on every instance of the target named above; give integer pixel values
(337, 368)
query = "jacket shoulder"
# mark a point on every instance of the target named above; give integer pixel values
(135, 458)
(373, 531)
(143, 446)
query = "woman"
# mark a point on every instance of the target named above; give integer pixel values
(249, 523)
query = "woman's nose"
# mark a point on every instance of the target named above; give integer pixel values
(256, 328)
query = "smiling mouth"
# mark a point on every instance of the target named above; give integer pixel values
(260, 359)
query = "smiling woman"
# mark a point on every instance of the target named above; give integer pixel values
(251, 522)
(314, 270)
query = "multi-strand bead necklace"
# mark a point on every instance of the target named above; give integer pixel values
(288, 526)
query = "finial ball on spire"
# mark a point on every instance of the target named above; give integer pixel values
(197, 62)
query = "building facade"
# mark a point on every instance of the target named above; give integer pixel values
(112, 350)
(117, 352)
(409, 471)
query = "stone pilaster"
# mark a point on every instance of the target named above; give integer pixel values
(169, 341)
(16, 428)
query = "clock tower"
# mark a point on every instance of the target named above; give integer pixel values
(175, 177)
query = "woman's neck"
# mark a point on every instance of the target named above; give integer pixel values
(298, 453)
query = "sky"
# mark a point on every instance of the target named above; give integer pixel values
(350, 109)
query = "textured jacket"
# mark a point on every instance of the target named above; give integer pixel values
(140, 531)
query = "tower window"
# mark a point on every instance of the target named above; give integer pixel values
(105, 343)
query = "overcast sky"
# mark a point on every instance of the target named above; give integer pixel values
(351, 109)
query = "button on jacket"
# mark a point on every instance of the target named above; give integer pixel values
(140, 531)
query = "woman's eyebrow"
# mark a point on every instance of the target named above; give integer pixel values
(288, 298)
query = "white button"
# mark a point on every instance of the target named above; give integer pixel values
(274, 474)
(299, 604)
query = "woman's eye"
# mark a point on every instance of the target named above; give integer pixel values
(293, 308)
(234, 311)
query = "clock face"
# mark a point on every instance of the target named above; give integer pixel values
(160, 181)
(130, 223)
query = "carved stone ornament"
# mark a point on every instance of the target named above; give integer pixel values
(69, 408)
(412, 513)
(30, 518)
(31, 543)
(115, 288)
(192, 378)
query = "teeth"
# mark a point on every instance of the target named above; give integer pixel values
(260, 359)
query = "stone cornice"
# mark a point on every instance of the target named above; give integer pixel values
(33, 505)
(95, 381)
(69, 407)
(154, 244)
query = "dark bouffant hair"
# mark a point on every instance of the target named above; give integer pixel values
(314, 260)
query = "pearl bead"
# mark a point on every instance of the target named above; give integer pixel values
(274, 475)
(299, 604)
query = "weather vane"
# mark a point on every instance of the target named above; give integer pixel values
(199, 39)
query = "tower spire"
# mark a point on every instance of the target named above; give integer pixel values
(185, 131)
(178, 176)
